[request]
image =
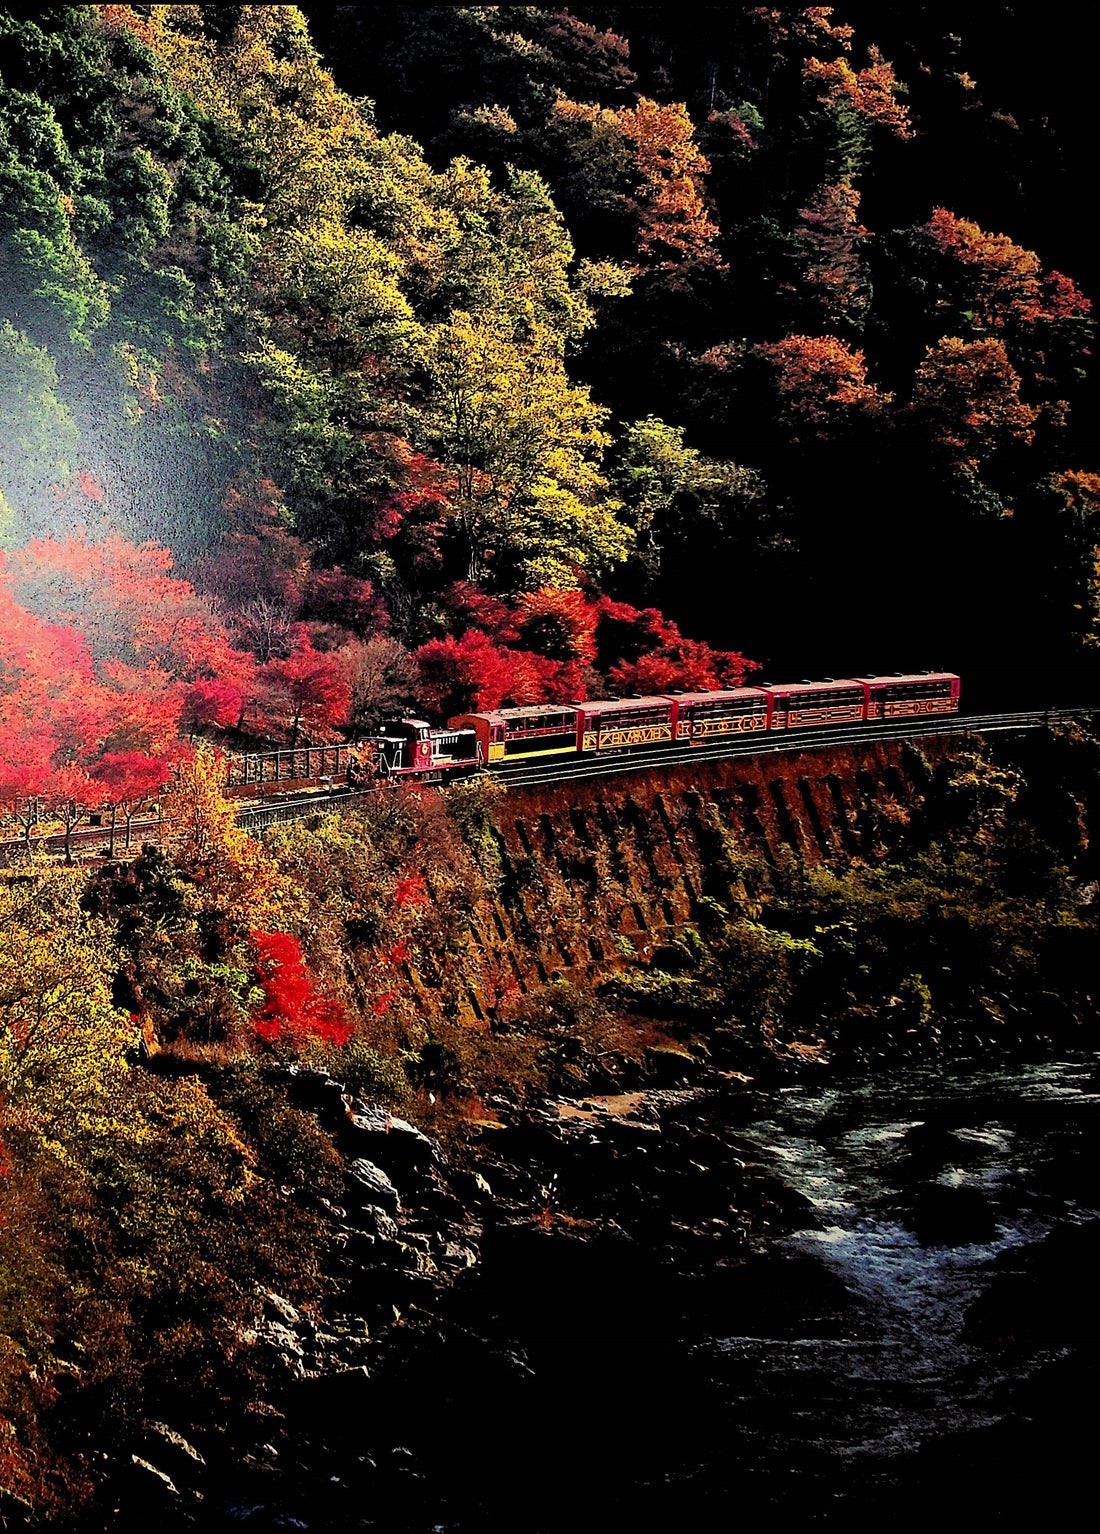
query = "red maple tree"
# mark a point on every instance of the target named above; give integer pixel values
(292, 1007)
(308, 689)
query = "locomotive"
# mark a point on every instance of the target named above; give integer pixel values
(412, 748)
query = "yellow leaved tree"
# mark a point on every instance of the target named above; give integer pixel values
(530, 504)
(63, 1044)
(232, 873)
(136, 1220)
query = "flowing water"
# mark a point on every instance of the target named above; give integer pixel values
(952, 1238)
(918, 1333)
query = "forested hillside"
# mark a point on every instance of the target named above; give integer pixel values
(375, 359)
(441, 377)
(827, 216)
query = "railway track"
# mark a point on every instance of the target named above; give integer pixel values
(255, 818)
(539, 774)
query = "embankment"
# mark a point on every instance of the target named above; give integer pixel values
(593, 873)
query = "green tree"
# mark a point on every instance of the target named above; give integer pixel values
(671, 491)
(529, 505)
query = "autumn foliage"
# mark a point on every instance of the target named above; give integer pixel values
(76, 727)
(308, 689)
(135, 656)
(874, 92)
(457, 675)
(108, 661)
(830, 236)
(674, 224)
(820, 383)
(970, 394)
(563, 646)
(999, 283)
(292, 1007)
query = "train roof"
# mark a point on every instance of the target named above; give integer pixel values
(884, 678)
(591, 706)
(521, 711)
(718, 694)
(785, 687)
(602, 705)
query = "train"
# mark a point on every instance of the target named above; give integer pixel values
(414, 751)
(412, 748)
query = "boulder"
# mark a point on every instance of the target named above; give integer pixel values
(359, 1249)
(669, 1064)
(951, 1216)
(459, 1256)
(338, 1389)
(368, 1184)
(1044, 1295)
(279, 1309)
(148, 1488)
(277, 1339)
(314, 1091)
(929, 1147)
(372, 1131)
(167, 1447)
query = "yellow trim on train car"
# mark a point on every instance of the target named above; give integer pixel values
(739, 724)
(899, 707)
(838, 714)
(641, 735)
(513, 756)
(496, 750)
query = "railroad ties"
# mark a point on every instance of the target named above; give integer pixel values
(282, 771)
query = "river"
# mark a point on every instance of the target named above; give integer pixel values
(837, 1298)
(922, 1336)
(957, 1212)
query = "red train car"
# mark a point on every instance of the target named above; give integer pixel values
(919, 692)
(709, 715)
(803, 705)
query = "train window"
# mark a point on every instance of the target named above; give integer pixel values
(832, 699)
(628, 718)
(722, 707)
(939, 689)
(540, 724)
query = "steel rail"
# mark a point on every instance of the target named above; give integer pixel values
(255, 818)
(539, 774)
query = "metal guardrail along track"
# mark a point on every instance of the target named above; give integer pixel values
(540, 774)
(255, 818)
